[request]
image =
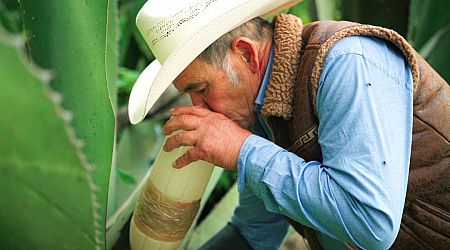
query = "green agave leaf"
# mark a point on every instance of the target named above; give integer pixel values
(429, 32)
(112, 50)
(125, 33)
(433, 42)
(304, 10)
(126, 79)
(437, 50)
(215, 176)
(130, 35)
(136, 151)
(386, 13)
(144, 49)
(76, 41)
(49, 199)
(426, 17)
(327, 9)
(215, 220)
(10, 17)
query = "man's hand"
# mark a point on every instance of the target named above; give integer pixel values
(214, 137)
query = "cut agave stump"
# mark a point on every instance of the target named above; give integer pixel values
(169, 202)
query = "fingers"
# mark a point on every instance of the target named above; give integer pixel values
(188, 138)
(190, 156)
(189, 110)
(185, 122)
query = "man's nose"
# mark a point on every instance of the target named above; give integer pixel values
(198, 101)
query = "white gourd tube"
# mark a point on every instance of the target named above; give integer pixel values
(169, 202)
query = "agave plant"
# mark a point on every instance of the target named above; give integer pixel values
(71, 166)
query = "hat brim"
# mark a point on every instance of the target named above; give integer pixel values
(139, 94)
(156, 77)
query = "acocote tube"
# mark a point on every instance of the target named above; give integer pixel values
(169, 202)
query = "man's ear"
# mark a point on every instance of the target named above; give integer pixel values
(247, 50)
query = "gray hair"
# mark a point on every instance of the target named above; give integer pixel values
(216, 54)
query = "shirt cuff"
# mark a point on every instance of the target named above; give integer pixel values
(254, 156)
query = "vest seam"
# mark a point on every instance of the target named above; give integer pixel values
(429, 125)
(363, 30)
(411, 233)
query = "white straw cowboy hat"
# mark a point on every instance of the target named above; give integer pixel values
(177, 31)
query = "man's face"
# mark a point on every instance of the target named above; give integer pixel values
(210, 87)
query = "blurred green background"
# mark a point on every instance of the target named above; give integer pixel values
(71, 165)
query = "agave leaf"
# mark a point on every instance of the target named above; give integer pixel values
(76, 41)
(429, 32)
(9, 18)
(426, 17)
(49, 199)
(130, 35)
(385, 13)
(136, 151)
(327, 9)
(215, 220)
(436, 51)
(305, 10)
(137, 35)
(215, 176)
(433, 42)
(125, 33)
(112, 50)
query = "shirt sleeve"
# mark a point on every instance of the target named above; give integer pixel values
(365, 123)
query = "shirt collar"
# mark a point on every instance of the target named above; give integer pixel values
(259, 101)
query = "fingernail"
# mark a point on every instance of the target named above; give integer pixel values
(171, 110)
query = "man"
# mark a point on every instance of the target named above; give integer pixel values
(318, 121)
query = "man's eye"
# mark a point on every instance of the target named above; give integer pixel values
(202, 90)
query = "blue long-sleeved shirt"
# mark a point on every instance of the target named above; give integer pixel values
(357, 193)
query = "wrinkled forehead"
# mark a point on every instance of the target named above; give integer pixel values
(196, 71)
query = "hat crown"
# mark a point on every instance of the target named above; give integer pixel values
(166, 24)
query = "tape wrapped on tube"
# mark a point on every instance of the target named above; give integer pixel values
(162, 218)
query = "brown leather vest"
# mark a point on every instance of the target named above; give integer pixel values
(299, 55)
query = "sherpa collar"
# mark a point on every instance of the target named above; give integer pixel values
(287, 46)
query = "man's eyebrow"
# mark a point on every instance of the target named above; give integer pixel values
(191, 86)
